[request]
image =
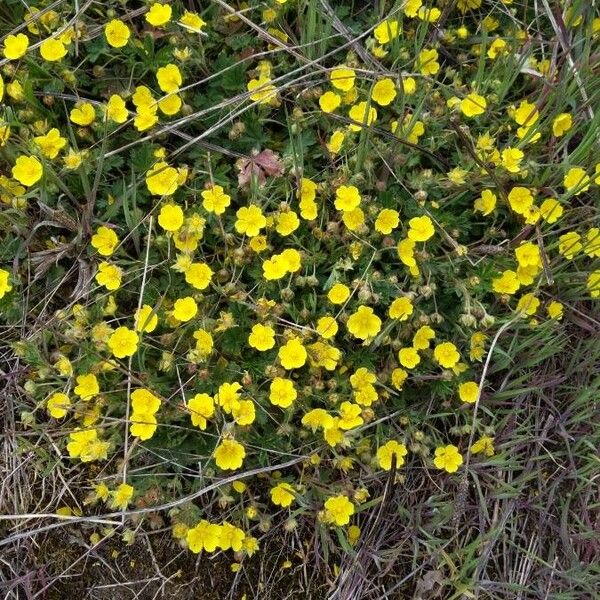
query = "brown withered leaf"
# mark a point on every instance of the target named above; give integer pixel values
(260, 165)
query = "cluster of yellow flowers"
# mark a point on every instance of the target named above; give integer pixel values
(362, 266)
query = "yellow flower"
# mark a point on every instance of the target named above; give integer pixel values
(486, 203)
(561, 124)
(347, 198)
(448, 458)
(334, 145)
(263, 91)
(105, 241)
(159, 14)
(170, 105)
(15, 46)
(170, 217)
(569, 244)
(387, 220)
(511, 159)
(201, 407)
(5, 285)
(555, 310)
(387, 452)
(192, 21)
(109, 276)
(364, 324)
(282, 392)
(401, 309)
(520, 199)
(593, 284)
(117, 33)
(507, 283)
(408, 357)
(122, 496)
(526, 114)
(551, 210)
(338, 510)
(362, 113)
(83, 114)
(231, 537)
(84, 444)
(384, 92)
(422, 337)
(484, 444)
(262, 337)
(185, 309)
(420, 229)
(123, 342)
(338, 294)
(169, 78)
(497, 47)
(204, 536)
(161, 179)
(146, 319)
(473, 105)
(287, 223)
(327, 327)
(116, 110)
(51, 143)
(199, 275)
(292, 354)
(318, 418)
(386, 31)
(446, 354)
(427, 62)
(528, 304)
(468, 392)
(282, 494)
(52, 50)
(342, 78)
(57, 405)
(528, 254)
(577, 179)
(250, 220)
(229, 455)
(411, 8)
(28, 170)
(215, 200)
(244, 412)
(143, 425)
(329, 101)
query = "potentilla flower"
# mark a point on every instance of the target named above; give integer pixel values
(446, 354)
(338, 510)
(117, 33)
(282, 392)
(109, 276)
(473, 105)
(448, 458)
(28, 170)
(52, 50)
(420, 229)
(169, 78)
(576, 179)
(262, 337)
(507, 283)
(342, 78)
(170, 217)
(159, 14)
(185, 309)
(162, 180)
(116, 110)
(123, 342)
(283, 494)
(229, 455)
(122, 496)
(204, 536)
(105, 241)
(384, 92)
(201, 408)
(329, 101)
(390, 451)
(83, 114)
(15, 46)
(561, 124)
(58, 405)
(5, 285)
(364, 324)
(292, 354)
(468, 392)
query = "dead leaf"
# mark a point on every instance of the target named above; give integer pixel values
(260, 165)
